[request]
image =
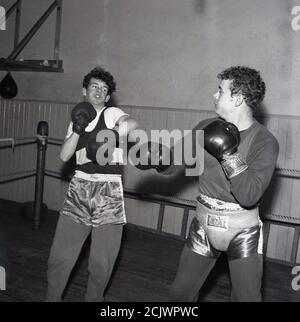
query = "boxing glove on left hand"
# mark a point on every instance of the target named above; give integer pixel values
(81, 115)
(221, 139)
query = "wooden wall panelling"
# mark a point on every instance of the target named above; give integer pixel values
(53, 161)
(279, 194)
(172, 222)
(54, 192)
(19, 191)
(295, 211)
(292, 145)
(266, 235)
(142, 213)
(273, 126)
(185, 219)
(280, 242)
(298, 253)
(294, 205)
(13, 115)
(133, 175)
(3, 108)
(129, 172)
(284, 206)
(295, 246)
(159, 119)
(190, 218)
(160, 217)
(179, 120)
(7, 132)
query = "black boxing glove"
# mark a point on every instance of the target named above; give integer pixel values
(81, 115)
(154, 156)
(221, 139)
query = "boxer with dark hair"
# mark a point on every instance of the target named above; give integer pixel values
(239, 160)
(94, 203)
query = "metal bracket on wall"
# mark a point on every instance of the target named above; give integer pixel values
(11, 63)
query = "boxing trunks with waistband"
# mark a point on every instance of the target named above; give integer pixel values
(95, 199)
(224, 226)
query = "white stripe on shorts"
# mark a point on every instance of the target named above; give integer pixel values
(98, 176)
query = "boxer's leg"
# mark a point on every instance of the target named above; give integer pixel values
(68, 240)
(246, 265)
(106, 241)
(246, 277)
(192, 272)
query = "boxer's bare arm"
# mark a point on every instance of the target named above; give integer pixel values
(69, 147)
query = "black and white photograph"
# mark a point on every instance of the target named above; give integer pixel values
(149, 153)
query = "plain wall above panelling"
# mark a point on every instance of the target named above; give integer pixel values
(163, 53)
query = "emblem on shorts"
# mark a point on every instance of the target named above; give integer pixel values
(217, 222)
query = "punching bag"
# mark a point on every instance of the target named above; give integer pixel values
(8, 87)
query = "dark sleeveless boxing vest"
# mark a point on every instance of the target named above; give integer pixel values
(94, 167)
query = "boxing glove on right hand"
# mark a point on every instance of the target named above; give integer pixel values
(221, 139)
(155, 156)
(81, 115)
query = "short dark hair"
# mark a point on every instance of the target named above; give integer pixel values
(100, 73)
(246, 81)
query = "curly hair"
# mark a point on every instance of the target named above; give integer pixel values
(246, 81)
(101, 74)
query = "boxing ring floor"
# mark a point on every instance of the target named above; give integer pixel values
(145, 268)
